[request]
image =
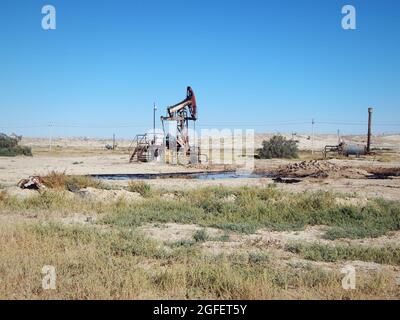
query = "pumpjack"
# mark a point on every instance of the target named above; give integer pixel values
(181, 113)
(174, 144)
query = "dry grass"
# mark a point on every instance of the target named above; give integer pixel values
(59, 180)
(3, 195)
(252, 209)
(63, 151)
(111, 259)
(93, 264)
(140, 187)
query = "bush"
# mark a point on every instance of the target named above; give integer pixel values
(140, 187)
(15, 151)
(7, 142)
(59, 180)
(22, 150)
(9, 147)
(321, 252)
(257, 257)
(6, 152)
(200, 235)
(278, 147)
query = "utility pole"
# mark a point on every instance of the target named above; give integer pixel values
(369, 129)
(312, 136)
(51, 136)
(154, 122)
(338, 136)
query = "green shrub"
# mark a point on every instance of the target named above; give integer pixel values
(354, 232)
(9, 147)
(240, 227)
(7, 142)
(6, 152)
(140, 187)
(15, 151)
(328, 253)
(253, 209)
(278, 147)
(200, 235)
(258, 257)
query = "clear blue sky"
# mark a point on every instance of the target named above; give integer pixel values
(260, 63)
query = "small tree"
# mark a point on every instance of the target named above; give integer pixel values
(9, 147)
(7, 142)
(278, 147)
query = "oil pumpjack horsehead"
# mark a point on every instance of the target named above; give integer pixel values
(182, 112)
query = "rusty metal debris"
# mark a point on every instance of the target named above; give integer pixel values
(33, 182)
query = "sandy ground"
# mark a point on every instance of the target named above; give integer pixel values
(387, 189)
(85, 157)
(304, 141)
(274, 243)
(14, 169)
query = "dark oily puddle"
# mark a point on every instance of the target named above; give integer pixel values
(383, 176)
(193, 175)
(379, 177)
(383, 173)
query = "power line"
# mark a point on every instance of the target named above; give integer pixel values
(201, 124)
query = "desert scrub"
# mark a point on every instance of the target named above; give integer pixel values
(200, 235)
(353, 232)
(329, 253)
(255, 208)
(258, 257)
(55, 202)
(89, 263)
(92, 263)
(113, 242)
(152, 211)
(47, 200)
(375, 219)
(59, 180)
(242, 210)
(140, 187)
